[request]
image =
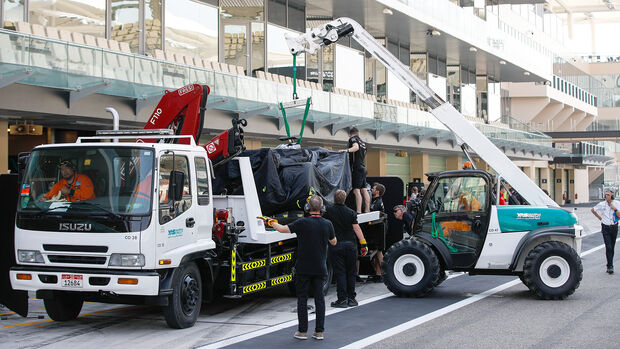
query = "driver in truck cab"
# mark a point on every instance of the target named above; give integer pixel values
(72, 187)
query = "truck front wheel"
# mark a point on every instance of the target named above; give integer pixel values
(64, 306)
(552, 270)
(184, 303)
(410, 269)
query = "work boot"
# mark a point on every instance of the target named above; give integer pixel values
(610, 270)
(352, 302)
(300, 335)
(318, 335)
(340, 304)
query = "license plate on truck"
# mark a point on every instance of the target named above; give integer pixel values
(72, 281)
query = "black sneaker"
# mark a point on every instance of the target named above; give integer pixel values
(340, 304)
(610, 270)
(359, 279)
(352, 302)
(377, 278)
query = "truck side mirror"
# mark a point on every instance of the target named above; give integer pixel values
(22, 162)
(177, 178)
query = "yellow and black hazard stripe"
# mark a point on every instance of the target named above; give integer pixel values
(254, 287)
(281, 280)
(281, 258)
(233, 265)
(253, 265)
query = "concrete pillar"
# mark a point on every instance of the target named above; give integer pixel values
(569, 22)
(546, 174)
(530, 171)
(571, 185)
(376, 164)
(4, 147)
(252, 144)
(560, 180)
(418, 167)
(453, 163)
(593, 33)
(480, 164)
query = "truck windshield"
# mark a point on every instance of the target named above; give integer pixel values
(108, 181)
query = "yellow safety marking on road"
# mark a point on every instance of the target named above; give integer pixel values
(233, 265)
(254, 287)
(281, 258)
(253, 265)
(35, 323)
(281, 280)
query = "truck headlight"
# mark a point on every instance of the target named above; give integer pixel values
(29, 256)
(126, 260)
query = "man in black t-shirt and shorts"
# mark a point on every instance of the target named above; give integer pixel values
(313, 235)
(344, 253)
(357, 158)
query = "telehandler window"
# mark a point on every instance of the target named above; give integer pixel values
(460, 194)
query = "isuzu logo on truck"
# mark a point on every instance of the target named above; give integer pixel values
(75, 227)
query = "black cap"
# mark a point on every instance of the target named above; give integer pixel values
(67, 163)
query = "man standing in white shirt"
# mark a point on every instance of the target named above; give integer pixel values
(607, 212)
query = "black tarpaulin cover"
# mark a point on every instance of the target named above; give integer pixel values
(286, 177)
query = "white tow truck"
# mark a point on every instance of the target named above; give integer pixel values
(139, 224)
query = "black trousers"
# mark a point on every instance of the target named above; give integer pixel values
(303, 284)
(344, 258)
(610, 234)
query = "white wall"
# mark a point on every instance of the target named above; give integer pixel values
(581, 186)
(468, 100)
(349, 69)
(396, 89)
(438, 85)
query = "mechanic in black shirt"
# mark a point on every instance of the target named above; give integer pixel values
(313, 235)
(400, 213)
(377, 192)
(357, 157)
(344, 254)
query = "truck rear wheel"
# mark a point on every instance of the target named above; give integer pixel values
(64, 306)
(410, 269)
(292, 286)
(184, 303)
(552, 270)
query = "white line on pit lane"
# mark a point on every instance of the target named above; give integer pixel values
(257, 333)
(437, 313)
(387, 333)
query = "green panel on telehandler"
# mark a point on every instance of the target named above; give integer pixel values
(527, 218)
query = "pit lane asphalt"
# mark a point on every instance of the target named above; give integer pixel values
(102, 325)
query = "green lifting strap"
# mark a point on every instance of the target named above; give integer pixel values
(288, 130)
(437, 232)
(303, 123)
(306, 111)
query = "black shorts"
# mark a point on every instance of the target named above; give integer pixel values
(358, 178)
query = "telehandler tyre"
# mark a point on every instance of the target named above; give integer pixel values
(552, 270)
(410, 269)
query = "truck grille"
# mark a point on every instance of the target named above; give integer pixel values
(74, 248)
(76, 259)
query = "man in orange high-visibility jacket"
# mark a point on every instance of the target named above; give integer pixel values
(73, 186)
